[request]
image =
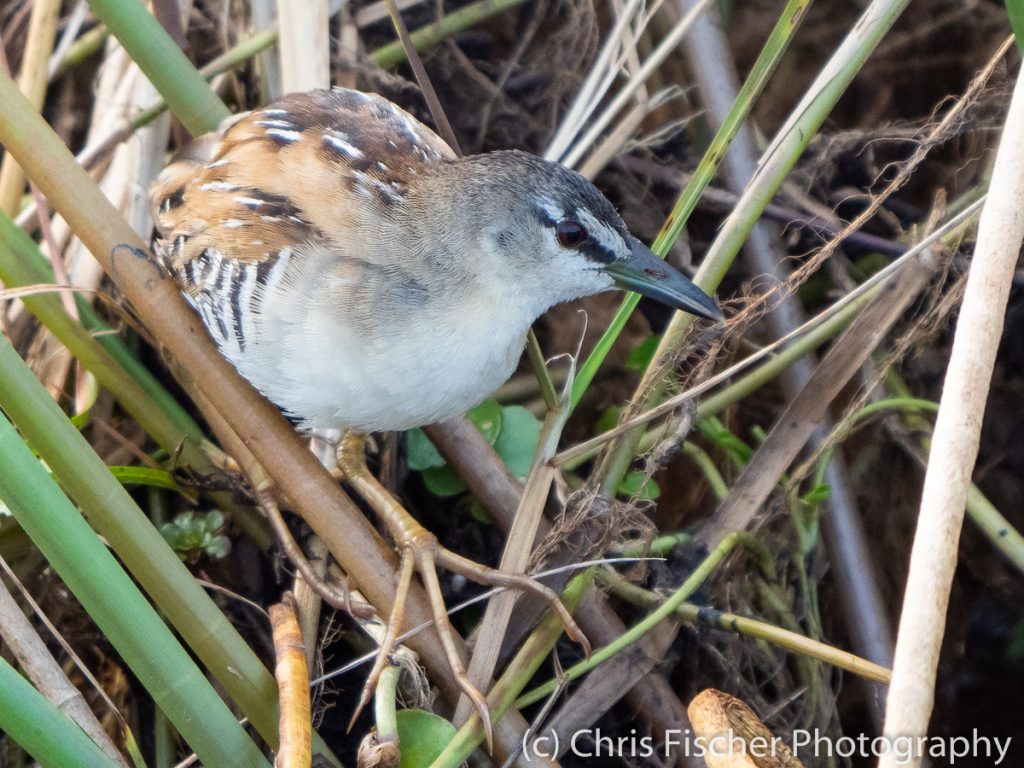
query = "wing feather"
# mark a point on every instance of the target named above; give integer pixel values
(303, 171)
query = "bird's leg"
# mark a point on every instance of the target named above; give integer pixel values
(419, 549)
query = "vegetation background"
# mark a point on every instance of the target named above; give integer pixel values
(776, 553)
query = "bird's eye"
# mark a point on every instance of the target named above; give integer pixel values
(570, 234)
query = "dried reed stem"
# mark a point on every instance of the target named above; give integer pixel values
(955, 440)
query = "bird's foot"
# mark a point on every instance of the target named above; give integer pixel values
(337, 597)
(421, 552)
(423, 557)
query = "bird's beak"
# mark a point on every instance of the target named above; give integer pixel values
(650, 276)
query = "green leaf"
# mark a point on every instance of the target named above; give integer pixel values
(192, 536)
(517, 440)
(443, 482)
(817, 495)
(715, 431)
(92, 390)
(214, 521)
(635, 485)
(45, 732)
(421, 736)
(477, 512)
(487, 418)
(513, 431)
(1015, 10)
(218, 547)
(609, 419)
(420, 452)
(641, 355)
(87, 566)
(157, 478)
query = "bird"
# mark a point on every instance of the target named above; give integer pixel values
(364, 278)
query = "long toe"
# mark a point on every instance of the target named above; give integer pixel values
(394, 627)
(492, 577)
(426, 564)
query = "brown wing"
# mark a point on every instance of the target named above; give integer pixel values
(306, 169)
(299, 167)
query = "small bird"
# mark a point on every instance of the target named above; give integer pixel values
(364, 278)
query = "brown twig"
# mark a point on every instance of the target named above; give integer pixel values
(515, 558)
(735, 735)
(292, 673)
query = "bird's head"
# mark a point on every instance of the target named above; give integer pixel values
(552, 232)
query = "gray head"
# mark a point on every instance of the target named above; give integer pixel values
(553, 234)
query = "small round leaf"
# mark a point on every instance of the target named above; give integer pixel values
(422, 736)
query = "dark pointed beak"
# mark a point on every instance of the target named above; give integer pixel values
(645, 273)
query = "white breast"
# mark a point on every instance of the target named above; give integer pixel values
(337, 350)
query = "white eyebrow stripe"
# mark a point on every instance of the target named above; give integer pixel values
(610, 240)
(552, 209)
